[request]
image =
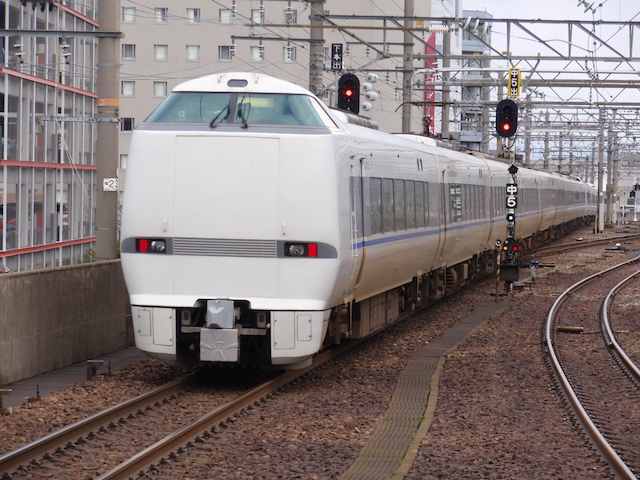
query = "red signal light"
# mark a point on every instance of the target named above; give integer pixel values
(506, 118)
(349, 93)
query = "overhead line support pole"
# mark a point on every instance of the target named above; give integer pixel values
(107, 131)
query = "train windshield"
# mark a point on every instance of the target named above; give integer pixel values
(216, 108)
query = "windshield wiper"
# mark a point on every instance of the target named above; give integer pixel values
(241, 113)
(213, 121)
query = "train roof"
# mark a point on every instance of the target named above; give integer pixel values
(240, 82)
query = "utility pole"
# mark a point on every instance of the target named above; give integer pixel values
(527, 130)
(545, 163)
(600, 214)
(486, 96)
(446, 89)
(107, 132)
(407, 67)
(316, 47)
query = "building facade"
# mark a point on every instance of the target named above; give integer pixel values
(49, 81)
(48, 132)
(166, 43)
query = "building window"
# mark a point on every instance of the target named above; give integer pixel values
(128, 14)
(226, 15)
(289, 53)
(128, 51)
(126, 123)
(225, 52)
(161, 52)
(257, 53)
(257, 15)
(127, 88)
(161, 15)
(290, 16)
(193, 15)
(159, 89)
(193, 52)
(124, 159)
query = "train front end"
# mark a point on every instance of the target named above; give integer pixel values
(230, 245)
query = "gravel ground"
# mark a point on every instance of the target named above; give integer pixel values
(498, 415)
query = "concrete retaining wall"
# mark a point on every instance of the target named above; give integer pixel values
(53, 318)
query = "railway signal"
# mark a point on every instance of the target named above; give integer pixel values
(510, 245)
(349, 93)
(506, 118)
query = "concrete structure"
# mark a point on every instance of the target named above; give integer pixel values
(48, 137)
(55, 317)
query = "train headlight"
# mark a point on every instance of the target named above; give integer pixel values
(296, 250)
(158, 246)
(301, 249)
(147, 245)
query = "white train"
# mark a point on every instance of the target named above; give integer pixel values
(259, 225)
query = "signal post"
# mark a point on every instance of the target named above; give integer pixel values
(506, 126)
(509, 270)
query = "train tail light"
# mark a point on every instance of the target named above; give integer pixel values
(301, 249)
(149, 245)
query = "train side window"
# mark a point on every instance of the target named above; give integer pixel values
(420, 205)
(485, 201)
(387, 205)
(375, 196)
(455, 203)
(400, 214)
(435, 209)
(410, 200)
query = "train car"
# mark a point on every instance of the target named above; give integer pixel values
(260, 226)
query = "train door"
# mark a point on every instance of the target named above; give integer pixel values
(358, 249)
(442, 220)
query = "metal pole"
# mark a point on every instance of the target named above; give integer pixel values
(107, 131)
(316, 47)
(407, 67)
(446, 89)
(545, 162)
(609, 186)
(486, 96)
(601, 206)
(527, 131)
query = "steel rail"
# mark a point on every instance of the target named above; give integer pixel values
(70, 433)
(603, 446)
(610, 338)
(571, 246)
(180, 437)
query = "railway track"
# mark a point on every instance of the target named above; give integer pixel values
(581, 346)
(566, 247)
(102, 445)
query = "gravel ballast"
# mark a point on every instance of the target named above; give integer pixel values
(498, 415)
